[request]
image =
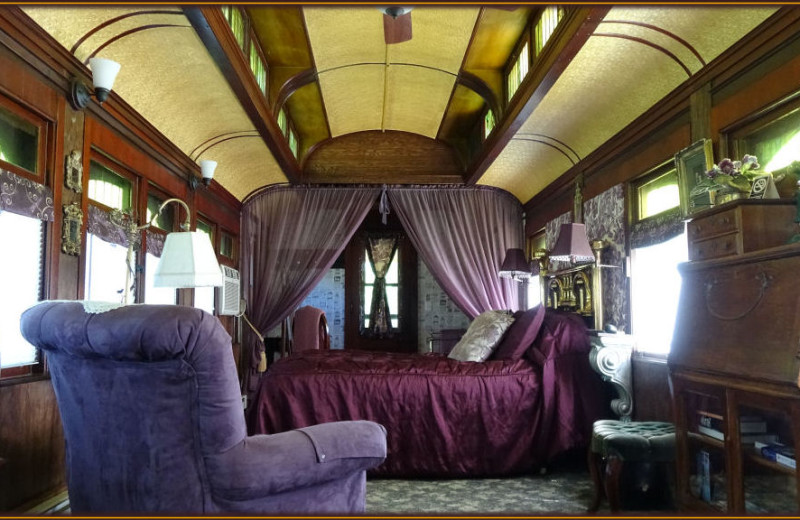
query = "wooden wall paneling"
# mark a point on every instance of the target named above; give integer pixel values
(700, 113)
(368, 156)
(222, 210)
(69, 279)
(651, 394)
(31, 442)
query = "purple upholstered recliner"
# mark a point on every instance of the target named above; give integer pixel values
(153, 421)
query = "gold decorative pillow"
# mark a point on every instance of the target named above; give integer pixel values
(482, 336)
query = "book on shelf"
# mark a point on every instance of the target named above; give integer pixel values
(745, 438)
(747, 423)
(704, 470)
(777, 452)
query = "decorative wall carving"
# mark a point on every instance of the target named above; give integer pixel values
(73, 174)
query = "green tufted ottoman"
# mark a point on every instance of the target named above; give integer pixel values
(615, 442)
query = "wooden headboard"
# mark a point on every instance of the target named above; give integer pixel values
(576, 289)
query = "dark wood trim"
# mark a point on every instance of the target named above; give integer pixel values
(115, 20)
(477, 85)
(575, 31)
(551, 145)
(128, 33)
(212, 145)
(767, 38)
(211, 27)
(650, 44)
(210, 139)
(664, 32)
(301, 79)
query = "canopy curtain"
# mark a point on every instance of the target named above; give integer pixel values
(291, 236)
(462, 235)
(380, 252)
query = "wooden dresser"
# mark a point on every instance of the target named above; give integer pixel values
(740, 227)
(735, 360)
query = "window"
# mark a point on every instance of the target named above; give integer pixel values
(153, 294)
(105, 270)
(488, 123)
(22, 285)
(777, 144)
(655, 288)
(283, 121)
(258, 67)
(204, 296)
(546, 26)
(518, 71)
(392, 289)
(237, 24)
(106, 262)
(293, 142)
(19, 141)
(166, 220)
(108, 187)
(226, 245)
(658, 245)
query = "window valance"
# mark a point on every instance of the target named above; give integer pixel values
(25, 197)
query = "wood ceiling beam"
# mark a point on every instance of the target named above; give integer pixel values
(574, 33)
(211, 27)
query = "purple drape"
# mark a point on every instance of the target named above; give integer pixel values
(291, 236)
(462, 235)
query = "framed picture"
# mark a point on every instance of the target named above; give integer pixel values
(691, 164)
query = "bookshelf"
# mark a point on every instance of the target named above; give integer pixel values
(733, 370)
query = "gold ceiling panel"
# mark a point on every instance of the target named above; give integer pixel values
(353, 98)
(625, 78)
(181, 93)
(525, 168)
(416, 99)
(244, 165)
(709, 29)
(345, 35)
(440, 37)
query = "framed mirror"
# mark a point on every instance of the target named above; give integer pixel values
(71, 229)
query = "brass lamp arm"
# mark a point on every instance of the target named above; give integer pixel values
(186, 223)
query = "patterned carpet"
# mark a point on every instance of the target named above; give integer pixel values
(559, 492)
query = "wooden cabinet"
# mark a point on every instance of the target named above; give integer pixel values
(734, 368)
(740, 227)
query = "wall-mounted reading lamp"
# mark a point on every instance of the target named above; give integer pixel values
(104, 72)
(187, 260)
(207, 168)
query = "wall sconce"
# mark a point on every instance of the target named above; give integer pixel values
(104, 72)
(207, 168)
(188, 260)
(515, 266)
(572, 244)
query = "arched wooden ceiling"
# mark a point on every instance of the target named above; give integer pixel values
(341, 82)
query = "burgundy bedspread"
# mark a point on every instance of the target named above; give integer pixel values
(445, 417)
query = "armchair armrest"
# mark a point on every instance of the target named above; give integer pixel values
(264, 465)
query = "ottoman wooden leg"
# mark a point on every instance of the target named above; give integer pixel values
(613, 471)
(594, 462)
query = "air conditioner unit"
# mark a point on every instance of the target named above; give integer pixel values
(229, 297)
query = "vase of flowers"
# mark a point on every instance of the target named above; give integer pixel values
(729, 180)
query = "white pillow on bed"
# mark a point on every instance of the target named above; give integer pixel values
(482, 336)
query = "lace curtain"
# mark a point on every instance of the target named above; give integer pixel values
(380, 253)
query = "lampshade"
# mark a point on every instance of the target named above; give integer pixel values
(515, 266)
(188, 260)
(207, 168)
(572, 244)
(104, 72)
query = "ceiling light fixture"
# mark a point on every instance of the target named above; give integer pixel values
(394, 10)
(104, 72)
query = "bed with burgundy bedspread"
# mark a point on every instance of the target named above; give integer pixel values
(535, 398)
